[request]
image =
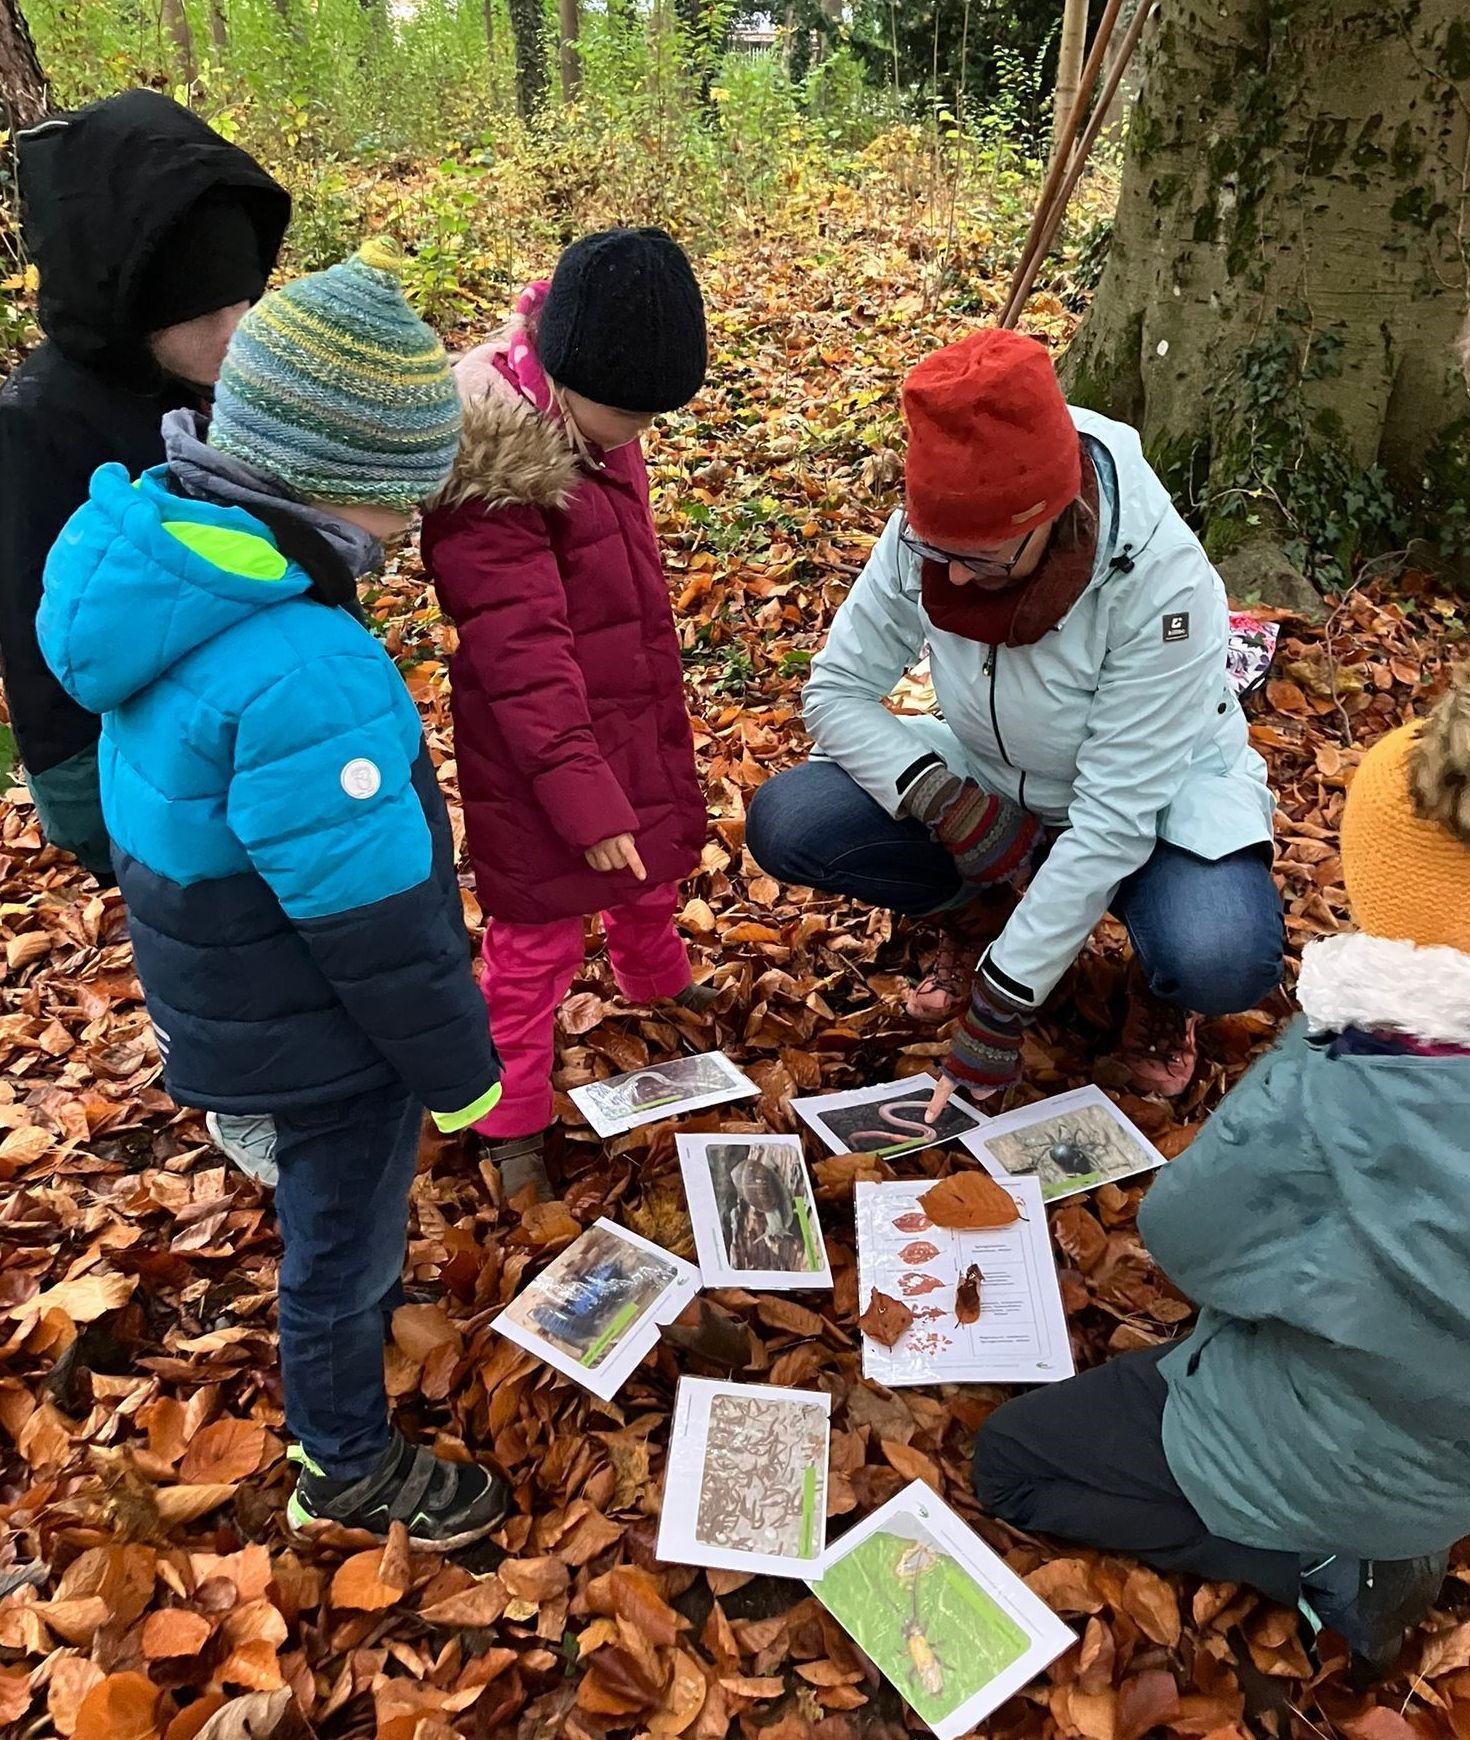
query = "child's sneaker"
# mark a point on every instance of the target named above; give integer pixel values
(444, 1505)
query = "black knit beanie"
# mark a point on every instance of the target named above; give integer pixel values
(623, 322)
(208, 260)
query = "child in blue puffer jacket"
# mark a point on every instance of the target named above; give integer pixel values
(279, 835)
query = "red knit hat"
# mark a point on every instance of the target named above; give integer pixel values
(993, 451)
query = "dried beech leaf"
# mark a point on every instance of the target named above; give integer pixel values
(482, 1605)
(358, 1583)
(969, 1202)
(174, 1631)
(225, 1452)
(967, 1295)
(886, 1320)
(121, 1707)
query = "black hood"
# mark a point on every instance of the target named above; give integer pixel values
(99, 190)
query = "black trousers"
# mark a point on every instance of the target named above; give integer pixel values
(1085, 1460)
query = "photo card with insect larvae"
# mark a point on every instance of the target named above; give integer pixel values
(888, 1119)
(986, 1306)
(746, 1483)
(754, 1212)
(1069, 1143)
(661, 1090)
(946, 1621)
(595, 1312)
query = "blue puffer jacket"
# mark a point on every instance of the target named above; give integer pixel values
(278, 832)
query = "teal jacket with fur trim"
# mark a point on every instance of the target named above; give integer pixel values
(278, 831)
(1321, 1221)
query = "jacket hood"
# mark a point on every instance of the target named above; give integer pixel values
(99, 191)
(509, 454)
(140, 578)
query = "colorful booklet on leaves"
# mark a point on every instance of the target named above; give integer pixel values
(746, 1486)
(661, 1090)
(887, 1119)
(596, 1311)
(944, 1619)
(1070, 1142)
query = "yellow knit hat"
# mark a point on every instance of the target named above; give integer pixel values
(1406, 831)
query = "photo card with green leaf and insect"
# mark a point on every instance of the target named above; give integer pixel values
(943, 1618)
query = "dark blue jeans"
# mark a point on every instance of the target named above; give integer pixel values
(342, 1202)
(1208, 934)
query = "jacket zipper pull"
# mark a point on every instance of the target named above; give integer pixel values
(988, 669)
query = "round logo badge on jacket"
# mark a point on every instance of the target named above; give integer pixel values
(360, 778)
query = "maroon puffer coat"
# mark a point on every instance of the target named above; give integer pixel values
(567, 689)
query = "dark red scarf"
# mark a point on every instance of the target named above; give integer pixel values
(1021, 613)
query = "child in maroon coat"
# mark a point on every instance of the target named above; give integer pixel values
(576, 761)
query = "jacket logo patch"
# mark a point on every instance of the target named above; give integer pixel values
(1176, 626)
(360, 778)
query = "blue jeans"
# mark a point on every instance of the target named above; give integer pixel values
(342, 1203)
(1207, 934)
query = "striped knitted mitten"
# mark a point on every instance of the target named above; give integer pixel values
(985, 1052)
(990, 838)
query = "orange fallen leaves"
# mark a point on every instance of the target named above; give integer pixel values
(886, 1320)
(969, 1201)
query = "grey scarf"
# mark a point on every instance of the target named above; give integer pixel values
(202, 473)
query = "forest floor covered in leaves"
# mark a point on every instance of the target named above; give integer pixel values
(151, 1592)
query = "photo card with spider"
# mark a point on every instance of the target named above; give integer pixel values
(754, 1212)
(661, 1090)
(1070, 1143)
(595, 1311)
(887, 1119)
(946, 1621)
(746, 1484)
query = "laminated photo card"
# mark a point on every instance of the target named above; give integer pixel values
(888, 1119)
(661, 1090)
(746, 1485)
(946, 1622)
(1070, 1142)
(596, 1311)
(1014, 1330)
(753, 1211)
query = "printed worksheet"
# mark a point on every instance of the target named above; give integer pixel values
(1004, 1280)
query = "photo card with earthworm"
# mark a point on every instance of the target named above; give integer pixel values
(887, 1119)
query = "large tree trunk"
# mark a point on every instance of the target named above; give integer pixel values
(177, 20)
(569, 14)
(22, 83)
(527, 23)
(1288, 272)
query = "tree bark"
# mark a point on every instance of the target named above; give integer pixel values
(177, 21)
(1070, 55)
(569, 13)
(1288, 271)
(22, 83)
(527, 25)
(219, 29)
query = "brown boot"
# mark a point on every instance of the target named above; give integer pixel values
(1158, 1046)
(964, 936)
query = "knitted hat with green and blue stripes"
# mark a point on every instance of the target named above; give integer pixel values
(333, 386)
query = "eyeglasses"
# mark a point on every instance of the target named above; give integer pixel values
(977, 565)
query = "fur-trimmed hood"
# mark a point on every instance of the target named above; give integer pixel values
(1377, 984)
(510, 455)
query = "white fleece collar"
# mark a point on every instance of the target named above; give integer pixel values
(1374, 983)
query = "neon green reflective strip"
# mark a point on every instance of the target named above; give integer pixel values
(449, 1122)
(299, 1459)
(242, 553)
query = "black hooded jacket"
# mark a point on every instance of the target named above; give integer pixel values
(99, 191)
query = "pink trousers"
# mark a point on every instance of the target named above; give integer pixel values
(529, 969)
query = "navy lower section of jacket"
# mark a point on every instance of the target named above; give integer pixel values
(249, 1007)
